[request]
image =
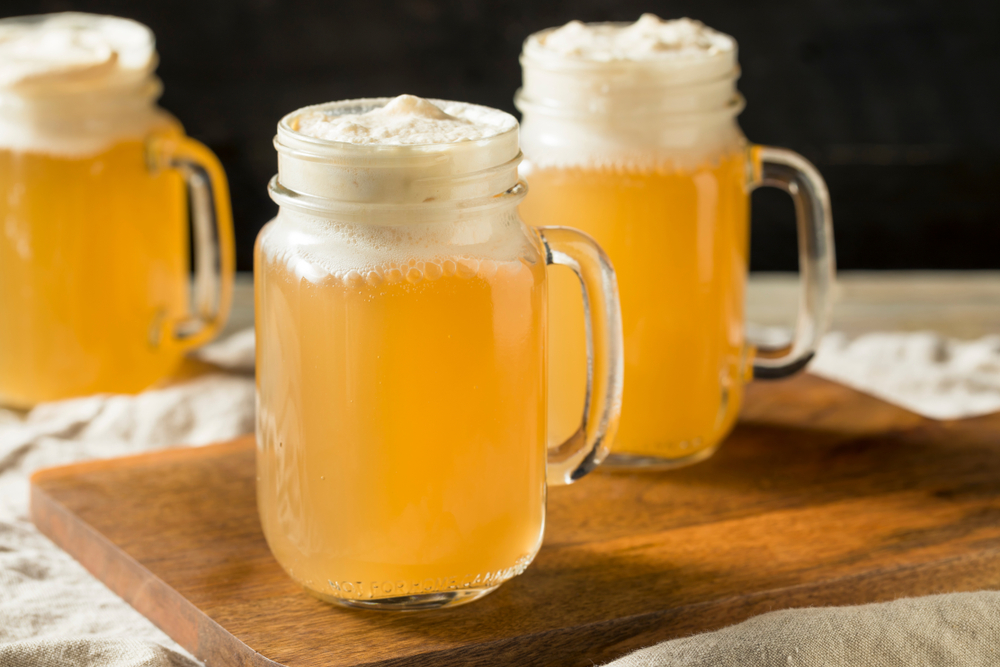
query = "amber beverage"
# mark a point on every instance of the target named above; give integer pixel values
(441, 399)
(698, 269)
(401, 369)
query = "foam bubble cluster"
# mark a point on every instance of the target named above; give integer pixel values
(412, 271)
(323, 251)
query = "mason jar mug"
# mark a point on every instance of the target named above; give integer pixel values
(638, 146)
(95, 186)
(401, 370)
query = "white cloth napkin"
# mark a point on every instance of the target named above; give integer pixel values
(52, 612)
(924, 372)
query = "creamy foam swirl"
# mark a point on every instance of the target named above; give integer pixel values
(73, 52)
(74, 84)
(648, 39)
(407, 120)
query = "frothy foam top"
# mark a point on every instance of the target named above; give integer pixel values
(648, 39)
(382, 190)
(407, 120)
(402, 150)
(651, 94)
(73, 52)
(74, 84)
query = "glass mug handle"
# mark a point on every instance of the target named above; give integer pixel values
(789, 171)
(586, 448)
(212, 225)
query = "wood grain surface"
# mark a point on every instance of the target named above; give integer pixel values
(822, 496)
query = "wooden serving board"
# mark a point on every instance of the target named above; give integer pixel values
(822, 496)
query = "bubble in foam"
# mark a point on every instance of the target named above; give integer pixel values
(487, 268)
(508, 269)
(432, 271)
(467, 268)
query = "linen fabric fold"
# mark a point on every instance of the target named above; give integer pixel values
(961, 629)
(53, 613)
(924, 372)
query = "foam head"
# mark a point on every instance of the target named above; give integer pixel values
(397, 150)
(73, 52)
(616, 93)
(389, 189)
(677, 51)
(73, 84)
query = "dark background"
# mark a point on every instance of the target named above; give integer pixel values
(895, 102)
